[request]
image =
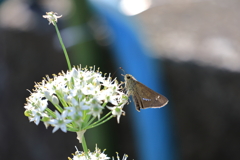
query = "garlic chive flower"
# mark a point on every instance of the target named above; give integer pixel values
(96, 155)
(52, 17)
(79, 97)
(125, 156)
(117, 111)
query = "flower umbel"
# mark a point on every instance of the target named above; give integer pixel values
(96, 155)
(79, 97)
(52, 17)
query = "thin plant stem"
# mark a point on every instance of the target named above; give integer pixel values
(92, 126)
(97, 124)
(63, 47)
(84, 145)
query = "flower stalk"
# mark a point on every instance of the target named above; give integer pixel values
(63, 47)
(84, 145)
(52, 18)
(79, 96)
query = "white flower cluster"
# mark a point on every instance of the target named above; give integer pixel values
(96, 155)
(79, 96)
(52, 17)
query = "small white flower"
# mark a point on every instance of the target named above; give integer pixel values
(55, 100)
(47, 94)
(36, 118)
(117, 111)
(60, 121)
(95, 109)
(74, 73)
(90, 89)
(52, 17)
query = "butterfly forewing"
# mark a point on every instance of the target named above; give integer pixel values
(143, 96)
(150, 98)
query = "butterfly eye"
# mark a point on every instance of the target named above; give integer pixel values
(128, 77)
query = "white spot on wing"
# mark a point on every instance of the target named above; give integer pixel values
(145, 99)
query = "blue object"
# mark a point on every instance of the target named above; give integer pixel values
(151, 126)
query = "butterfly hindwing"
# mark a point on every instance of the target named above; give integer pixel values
(149, 98)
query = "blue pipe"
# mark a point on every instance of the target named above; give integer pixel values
(152, 128)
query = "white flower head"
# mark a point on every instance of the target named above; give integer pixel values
(96, 155)
(52, 17)
(79, 96)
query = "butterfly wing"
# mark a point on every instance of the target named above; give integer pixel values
(138, 103)
(145, 97)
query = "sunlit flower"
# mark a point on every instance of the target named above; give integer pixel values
(60, 121)
(117, 111)
(96, 155)
(96, 108)
(79, 96)
(52, 17)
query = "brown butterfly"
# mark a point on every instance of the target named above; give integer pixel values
(143, 96)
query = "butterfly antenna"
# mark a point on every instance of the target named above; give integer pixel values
(122, 70)
(117, 70)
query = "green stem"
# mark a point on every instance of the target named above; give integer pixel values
(89, 125)
(89, 122)
(59, 108)
(101, 122)
(50, 112)
(98, 123)
(84, 145)
(63, 46)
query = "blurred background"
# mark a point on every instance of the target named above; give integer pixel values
(187, 50)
